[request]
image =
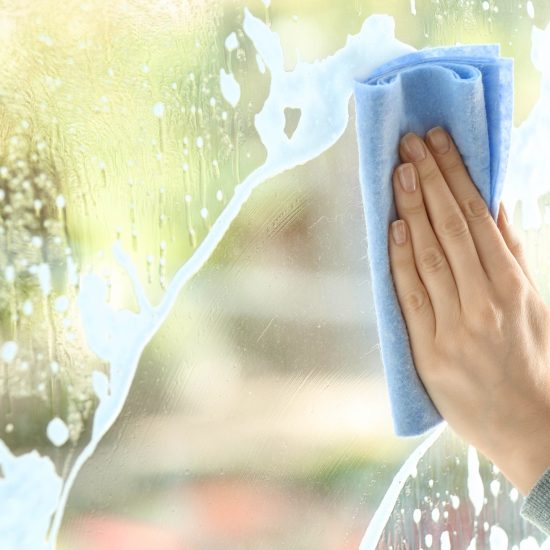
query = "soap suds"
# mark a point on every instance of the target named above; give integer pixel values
(57, 432)
(529, 161)
(384, 510)
(476, 491)
(230, 88)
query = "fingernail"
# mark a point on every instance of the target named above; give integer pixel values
(407, 177)
(414, 147)
(398, 231)
(439, 140)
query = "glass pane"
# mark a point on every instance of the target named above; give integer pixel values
(188, 341)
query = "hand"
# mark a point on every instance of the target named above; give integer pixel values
(478, 328)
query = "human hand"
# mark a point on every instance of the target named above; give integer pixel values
(478, 328)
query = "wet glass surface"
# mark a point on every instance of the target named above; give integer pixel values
(188, 343)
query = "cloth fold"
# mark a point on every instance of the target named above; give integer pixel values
(468, 90)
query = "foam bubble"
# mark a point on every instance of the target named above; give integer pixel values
(57, 432)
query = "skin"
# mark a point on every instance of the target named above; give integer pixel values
(478, 327)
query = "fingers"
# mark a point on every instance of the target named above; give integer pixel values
(427, 255)
(491, 248)
(514, 244)
(447, 220)
(413, 298)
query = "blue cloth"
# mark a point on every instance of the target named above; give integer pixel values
(468, 90)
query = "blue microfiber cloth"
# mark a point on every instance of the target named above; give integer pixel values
(468, 90)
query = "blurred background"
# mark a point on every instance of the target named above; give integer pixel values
(258, 416)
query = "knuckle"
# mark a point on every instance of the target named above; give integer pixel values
(453, 164)
(415, 300)
(431, 260)
(413, 209)
(454, 226)
(487, 314)
(487, 319)
(514, 280)
(400, 263)
(430, 173)
(475, 209)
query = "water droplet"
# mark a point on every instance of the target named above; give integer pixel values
(485, 5)
(495, 487)
(417, 515)
(9, 351)
(54, 366)
(231, 42)
(530, 9)
(45, 39)
(158, 109)
(57, 431)
(428, 540)
(514, 494)
(435, 515)
(44, 278)
(219, 195)
(188, 199)
(200, 142)
(27, 308)
(37, 241)
(9, 428)
(60, 201)
(62, 304)
(230, 88)
(455, 502)
(192, 237)
(204, 213)
(9, 274)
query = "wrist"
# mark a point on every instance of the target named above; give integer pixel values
(524, 465)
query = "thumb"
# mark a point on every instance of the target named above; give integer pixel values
(514, 243)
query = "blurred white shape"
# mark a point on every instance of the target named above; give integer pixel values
(57, 431)
(231, 42)
(9, 351)
(476, 491)
(230, 88)
(529, 161)
(498, 539)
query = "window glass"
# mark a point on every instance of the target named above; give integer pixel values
(188, 346)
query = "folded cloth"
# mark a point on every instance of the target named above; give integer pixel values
(468, 90)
